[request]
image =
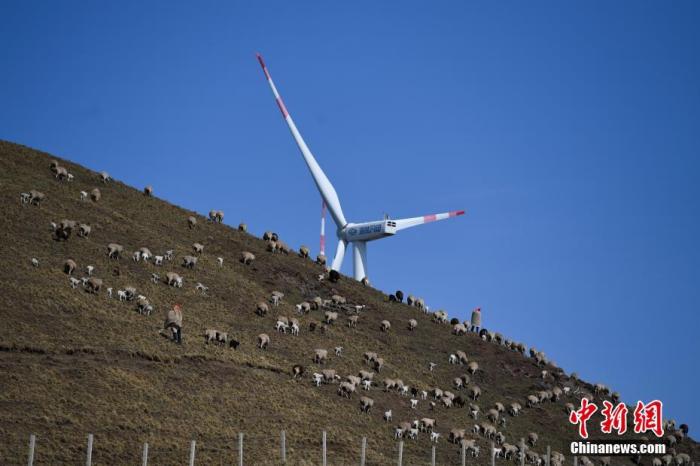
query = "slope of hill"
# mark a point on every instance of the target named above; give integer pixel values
(73, 362)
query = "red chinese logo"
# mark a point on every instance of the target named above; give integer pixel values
(649, 417)
(582, 416)
(614, 418)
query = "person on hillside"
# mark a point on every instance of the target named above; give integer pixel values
(476, 320)
(173, 321)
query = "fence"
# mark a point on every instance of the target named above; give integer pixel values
(323, 456)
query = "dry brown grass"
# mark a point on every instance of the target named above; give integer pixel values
(73, 363)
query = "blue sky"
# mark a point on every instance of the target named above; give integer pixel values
(567, 130)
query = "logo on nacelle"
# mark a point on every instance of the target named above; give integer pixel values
(352, 231)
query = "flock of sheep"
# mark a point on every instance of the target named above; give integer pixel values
(459, 392)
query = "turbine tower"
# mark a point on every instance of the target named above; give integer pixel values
(356, 233)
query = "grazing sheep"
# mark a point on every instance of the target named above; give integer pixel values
(89, 269)
(84, 230)
(24, 198)
(74, 282)
(440, 317)
(136, 256)
(412, 324)
(321, 260)
(532, 400)
(114, 250)
(329, 375)
(261, 309)
(366, 384)
(169, 254)
(189, 262)
(338, 350)
(317, 378)
(369, 356)
(158, 260)
(69, 266)
(95, 195)
(303, 308)
(104, 177)
(320, 356)
(366, 404)
(148, 191)
(174, 279)
(35, 262)
(514, 409)
(201, 287)
(83, 195)
(61, 173)
(64, 229)
(297, 371)
(210, 335)
(532, 438)
(472, 367)
(378, 364)
(216, 216)
(330, 317)
(414, 403)
(474, 392)
(220, 261)
(263, 341)
(191, 221)
(198, 248)
(109, 292)
(338, 300)
(387, 416)
(155, 278)
(93, 285)
(36, 197)
(385, 326)
(459, 329)
(247, 257)
(304, 252)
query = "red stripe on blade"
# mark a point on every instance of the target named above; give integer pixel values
(455, 213)
(283, 109)
(429, 218)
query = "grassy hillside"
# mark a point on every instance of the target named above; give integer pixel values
(73, 362)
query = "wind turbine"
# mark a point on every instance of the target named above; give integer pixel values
(356, 233)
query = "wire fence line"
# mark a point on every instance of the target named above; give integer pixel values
(431, 456)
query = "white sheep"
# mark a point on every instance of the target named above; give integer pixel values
(83, 195)
(413, 433)
(452, 359)
(295, 328)
(35, 262)
(431, 366)
(281, 326)
(318, 379)
(201, 287)
(155, 278)
(338, 350)
(414, 403)
(122, 295)
(109, 292)
(169, 254)
(25, 198)
(136, 256)
(158, 260)
(74, 282)
(89, 269)
(434, 436)
(366, 384)
(220, 260)
(387, 416)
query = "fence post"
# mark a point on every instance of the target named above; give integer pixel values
(363, 451)
(493, 455)
(400, 452)
(432, 456)
(464, 454)
(240, 449)
(549, 455)
(144, 456)
(88, 461)
(324, 448)
(575, 460)
(32, 443)
(522, 451)
(193, 445)
(283, 447)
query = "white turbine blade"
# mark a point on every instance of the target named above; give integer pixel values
(322, 183)
(339, 255)
(404, 223)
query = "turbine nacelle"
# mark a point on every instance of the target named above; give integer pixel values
(367, 231)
